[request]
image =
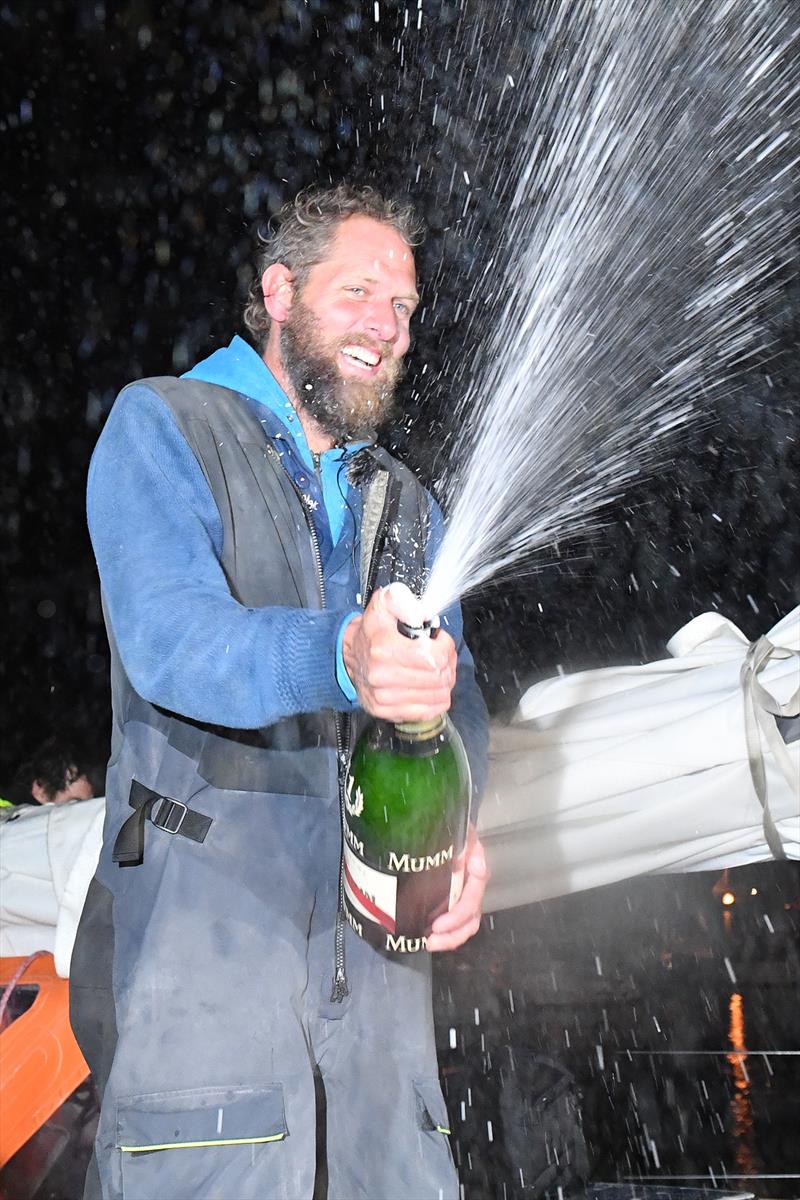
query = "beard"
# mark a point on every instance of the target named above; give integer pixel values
(345, 409)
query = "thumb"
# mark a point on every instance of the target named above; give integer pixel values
(476, 859)
(400, 602)
(477, 864)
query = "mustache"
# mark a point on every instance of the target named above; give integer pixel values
(382, 348)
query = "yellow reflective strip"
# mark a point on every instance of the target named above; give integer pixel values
(442, 1129)
(275, 1137)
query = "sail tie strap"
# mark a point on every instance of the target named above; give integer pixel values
(760, 711)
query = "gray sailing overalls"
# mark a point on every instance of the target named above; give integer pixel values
(203, 970)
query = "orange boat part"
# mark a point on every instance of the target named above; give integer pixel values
(40, 1063)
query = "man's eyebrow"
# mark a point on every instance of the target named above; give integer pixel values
(410, 296)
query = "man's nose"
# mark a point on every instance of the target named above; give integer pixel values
(382, 320)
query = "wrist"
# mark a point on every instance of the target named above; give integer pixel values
(343, 676)
(349, 652)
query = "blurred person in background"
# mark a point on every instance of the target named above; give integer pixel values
(53, 774)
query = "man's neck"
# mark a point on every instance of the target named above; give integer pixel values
(318, 440)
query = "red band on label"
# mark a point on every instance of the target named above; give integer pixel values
(369, 905)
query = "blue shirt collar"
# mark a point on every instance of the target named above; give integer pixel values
(242, 369)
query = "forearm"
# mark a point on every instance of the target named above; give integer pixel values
(215, 661)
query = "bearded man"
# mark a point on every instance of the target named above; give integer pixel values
(220, 999)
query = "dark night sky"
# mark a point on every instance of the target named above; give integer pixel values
(142, 145)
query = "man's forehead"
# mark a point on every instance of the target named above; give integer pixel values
(374, 243)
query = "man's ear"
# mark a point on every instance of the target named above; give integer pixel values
(39, 792)
(277, 287)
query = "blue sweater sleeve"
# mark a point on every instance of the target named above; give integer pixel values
(185, 642)
(468, 709)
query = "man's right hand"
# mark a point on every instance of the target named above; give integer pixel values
(398, 678)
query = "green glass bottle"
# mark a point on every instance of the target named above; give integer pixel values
(406, 810)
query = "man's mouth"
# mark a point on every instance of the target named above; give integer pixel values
(363, 359)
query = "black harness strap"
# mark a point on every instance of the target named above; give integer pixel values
(172, 816)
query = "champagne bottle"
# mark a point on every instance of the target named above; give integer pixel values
(406, 809)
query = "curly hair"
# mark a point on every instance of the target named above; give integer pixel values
(54, 765)
(300, 235)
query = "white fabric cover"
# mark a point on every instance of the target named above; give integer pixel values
(631, 770)
(48, 855)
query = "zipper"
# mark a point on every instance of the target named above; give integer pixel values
(340, 987)
(341, 722)
(344, 749)
(374, 557)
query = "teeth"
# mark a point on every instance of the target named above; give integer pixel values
(362, 355)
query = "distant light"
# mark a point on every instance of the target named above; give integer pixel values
(728, 898)
(753, 891)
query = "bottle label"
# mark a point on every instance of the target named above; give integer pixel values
(372, 893)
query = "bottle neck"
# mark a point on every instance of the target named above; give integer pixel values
(420, 731)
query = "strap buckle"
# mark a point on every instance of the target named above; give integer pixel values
(163, 819)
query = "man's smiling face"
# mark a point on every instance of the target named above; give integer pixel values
(344, 339)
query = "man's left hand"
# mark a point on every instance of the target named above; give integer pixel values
(462, 922)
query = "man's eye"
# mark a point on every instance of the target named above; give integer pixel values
(357, 291)
(401, 307)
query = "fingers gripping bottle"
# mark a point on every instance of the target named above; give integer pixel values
(406, 809)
